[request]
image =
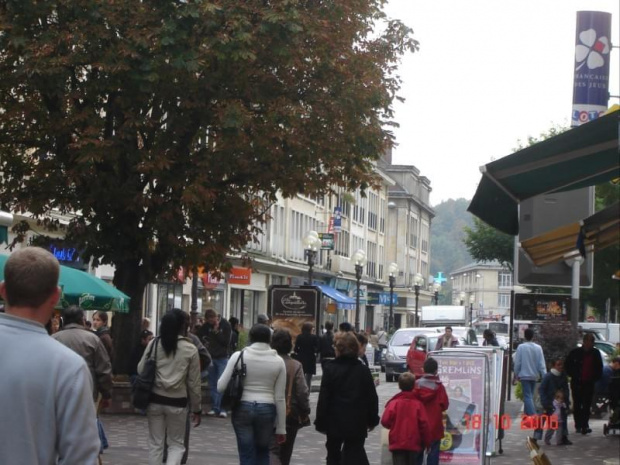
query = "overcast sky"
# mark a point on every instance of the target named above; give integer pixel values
(488, 73)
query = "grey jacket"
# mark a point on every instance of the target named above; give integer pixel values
(89, 346)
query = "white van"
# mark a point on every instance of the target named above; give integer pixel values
(612, 336)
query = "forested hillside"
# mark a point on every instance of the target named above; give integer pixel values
(448, 250)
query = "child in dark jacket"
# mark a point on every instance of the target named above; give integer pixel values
(433, 395)
(405, 417)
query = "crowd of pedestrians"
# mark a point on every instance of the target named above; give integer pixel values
(75, 377)
(584, 368)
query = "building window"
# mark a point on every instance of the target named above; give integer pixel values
(371, 263)
(382, 216)
(341, 247)
(381, 260)
(373, 205)
(503, 300)
(504, 279)
(413, 232)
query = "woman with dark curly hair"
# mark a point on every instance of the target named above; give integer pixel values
(177, 378)
(348, 405)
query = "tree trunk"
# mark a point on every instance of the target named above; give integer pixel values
(130, 278)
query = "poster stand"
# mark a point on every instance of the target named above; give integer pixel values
(466, 375)
(498, 421)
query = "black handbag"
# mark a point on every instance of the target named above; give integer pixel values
(143, 384)
(234, 390)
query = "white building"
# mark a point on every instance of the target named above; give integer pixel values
(485, 287)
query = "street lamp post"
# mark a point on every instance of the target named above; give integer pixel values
(359, 258)
(436, 289)
(481, 293)
(472, 297)
(417, 282)
(393, 270)
(312, 243)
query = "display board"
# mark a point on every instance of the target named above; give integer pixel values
(291, 306)
(542, 306)
(466, 377)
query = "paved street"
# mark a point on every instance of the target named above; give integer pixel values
(213, 442)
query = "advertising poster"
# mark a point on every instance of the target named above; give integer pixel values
(292, 306)
(542, 306)
(464, 379)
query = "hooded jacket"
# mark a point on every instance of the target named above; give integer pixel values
(406, 418)
(432, 394)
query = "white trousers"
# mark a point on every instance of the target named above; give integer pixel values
(166, 424)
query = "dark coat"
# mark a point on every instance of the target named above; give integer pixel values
(552, 383)
(216, 342)
(574, 364)
(326, 345)
(306, 348)
(106, 339)
(348, 404)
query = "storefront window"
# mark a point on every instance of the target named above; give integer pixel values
(212, 298)
(169, 296)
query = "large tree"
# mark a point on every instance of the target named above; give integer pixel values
(168, 127)
(486, 244)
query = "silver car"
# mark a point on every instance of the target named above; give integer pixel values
(396, 351)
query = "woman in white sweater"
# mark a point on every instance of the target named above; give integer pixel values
(263, 404)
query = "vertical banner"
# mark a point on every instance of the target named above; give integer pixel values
(337, 219)
(465, 376)
(591, 73)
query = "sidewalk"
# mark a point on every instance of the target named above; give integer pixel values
(591, 449)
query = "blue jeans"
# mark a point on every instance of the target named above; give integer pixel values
(215, 371)
(432, 457)
(528, 387)
(253, 424)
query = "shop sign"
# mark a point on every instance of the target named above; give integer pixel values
(327, 241)
(291, 306)
(210, 282)
(382, 298)
(240, 275)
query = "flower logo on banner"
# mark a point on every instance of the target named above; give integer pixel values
(591, 50)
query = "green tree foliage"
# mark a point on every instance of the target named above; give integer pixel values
(606, 261)
(486, 243)
(169, 126)
(447, 234)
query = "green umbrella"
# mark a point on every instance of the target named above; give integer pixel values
(85, 290)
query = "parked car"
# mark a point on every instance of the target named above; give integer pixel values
(396, 351)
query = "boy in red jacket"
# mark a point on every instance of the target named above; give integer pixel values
(405, 417)
(433, 395)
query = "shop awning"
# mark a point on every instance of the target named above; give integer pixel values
(584, 156)
(342, 300)
(591, 234)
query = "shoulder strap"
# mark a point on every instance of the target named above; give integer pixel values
(154, 343)
(289, 392)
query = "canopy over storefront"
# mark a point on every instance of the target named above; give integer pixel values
(591, 234)
(342, 301)
(583, 156)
